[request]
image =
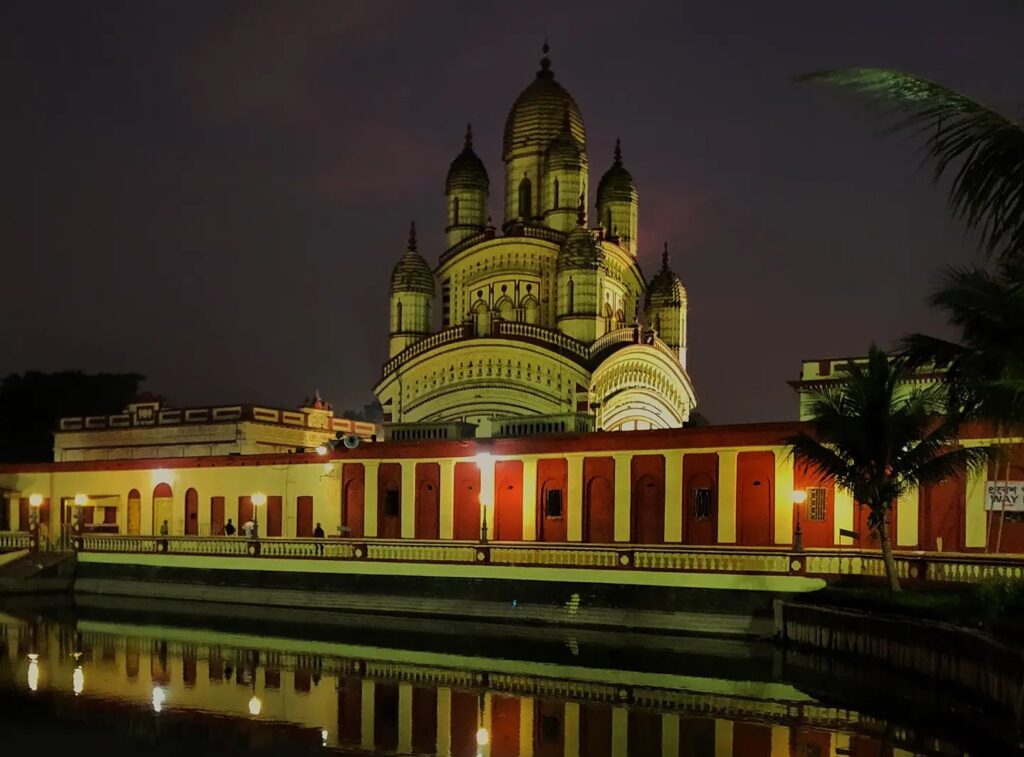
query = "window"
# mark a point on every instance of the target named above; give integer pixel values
(553, 504)
(555, 193)
(392, 503)
(525, 200)
(455, 211)
(701, 498)
(816, 508)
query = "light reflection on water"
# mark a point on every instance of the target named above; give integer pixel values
(135, 681)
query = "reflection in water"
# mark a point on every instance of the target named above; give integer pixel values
(206, 687)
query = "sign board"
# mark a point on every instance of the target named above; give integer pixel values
(1004, 495)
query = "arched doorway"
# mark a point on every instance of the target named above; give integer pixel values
(163, 507)
(648, 511)
(191, 513)
(134, 524)
(352, 508)
(466, 501)
(508, 500)
(599, 512)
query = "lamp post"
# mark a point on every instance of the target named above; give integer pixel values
(35, 501)
(258, 500)
(798, 497)
(485, 465)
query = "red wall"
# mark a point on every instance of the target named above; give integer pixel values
(424, 720)
(755, 499)
(552, 473)
(599, 500)
(467, 502)
(647, 506)
(352, 498)
(595, 730)
(816, 533)
(549, 728)
(465, 717)
(1012, 537)
(428, 500)
(700, 471)
(751, 739)
(508, 500)
(350, 699)
(643, 734)
(389, 478)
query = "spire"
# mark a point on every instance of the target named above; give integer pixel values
(618, 153)
(545, 62)
(581, 219)
(469, 138)
(664, 258)
(412, 236)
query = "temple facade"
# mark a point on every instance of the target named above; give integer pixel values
(549, 317)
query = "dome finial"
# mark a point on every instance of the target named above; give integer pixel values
(581, 218)
(469, 136)
(545, 62)
(618, 152)
(412, 236)
(664, 258)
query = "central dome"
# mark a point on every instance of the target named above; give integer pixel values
(538, 113)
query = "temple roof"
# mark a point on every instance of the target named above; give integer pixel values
(537, 115)
(467, 170)
(665, 288)
(411, 273)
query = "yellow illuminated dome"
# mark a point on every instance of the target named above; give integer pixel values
(538, 113)
(666, 288)
(412, 273)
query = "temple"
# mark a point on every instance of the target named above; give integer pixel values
(550, 321)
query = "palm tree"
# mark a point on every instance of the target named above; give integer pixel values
(984, 369)
(983, 148)
(877, 436)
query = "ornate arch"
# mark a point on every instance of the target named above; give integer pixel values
(641, 384)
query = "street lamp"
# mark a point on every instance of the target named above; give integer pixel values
(798, 497)
(258, 500)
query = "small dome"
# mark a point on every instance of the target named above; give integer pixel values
(617, 182)
(467, 170)
(581, 248)
(538, 113)
(564, 151)
(411, 273)
(665, 288)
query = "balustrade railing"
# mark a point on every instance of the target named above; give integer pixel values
(12, 540)
(450, 334)
(778, 561)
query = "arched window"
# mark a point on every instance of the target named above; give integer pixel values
(555, 193)
(608, 221)
(531, 309)
(505, 309)
(398, 316)
(482, 318)
(455, 211)
(524, 198)
(571, 295)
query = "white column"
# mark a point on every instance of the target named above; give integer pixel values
(723, 738)
(530, 499)
(843, 515)
(408, 499)
(620, 732)
(783, 496)
(727, 496)
(525, 728)
(574, 497)
(444, 715)
(907, 508)
(447, 499)
(370, 497)
(571, 743)
(366, 715)
(669, 736)
(623, 488)
(405, 716)
(673, 497)
(975, 528)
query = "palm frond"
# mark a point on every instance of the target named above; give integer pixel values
(982, 148)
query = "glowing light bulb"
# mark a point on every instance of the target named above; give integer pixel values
(81, 499)
(255, 705)
(483, 737)
(35, 500)
(321, 450)
(259, 499)
(323, 737)
(159, 697)
(78, 680)
(33, 672)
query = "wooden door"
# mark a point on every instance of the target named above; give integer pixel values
(941, 516)
(217, 516)
(428, 503)
(599, 511)
(508, 500)
(755, 499)
(304, 517)
(467, 501)
(134, 512)
(274, 516)
(191, 513)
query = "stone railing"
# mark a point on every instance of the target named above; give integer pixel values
(625, 335)
(778, 561)
(448, 335)
(534, 333)
(13, 540)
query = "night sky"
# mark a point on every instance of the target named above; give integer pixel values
(213, 193)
